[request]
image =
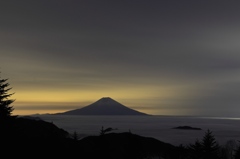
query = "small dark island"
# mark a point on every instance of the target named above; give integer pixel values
(187, 128)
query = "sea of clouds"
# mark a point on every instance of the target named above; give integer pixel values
(159, 127)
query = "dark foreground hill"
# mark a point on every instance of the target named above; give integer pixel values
(124, 146)
(103, 106)
(24, 137)
(33, 138)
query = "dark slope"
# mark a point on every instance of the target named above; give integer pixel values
(104, 106)
(124, 146)
(30, 138)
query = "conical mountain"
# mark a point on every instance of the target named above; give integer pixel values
(104, 106)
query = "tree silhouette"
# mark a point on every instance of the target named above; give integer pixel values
(196, 150)
(5, 103)
(75, 136)
(237, 152)
(210, 146)
(228, 150)
(104, 131)
(207, 148)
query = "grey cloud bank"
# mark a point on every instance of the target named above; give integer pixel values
(192, 47)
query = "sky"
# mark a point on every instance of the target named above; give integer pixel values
(161, 57)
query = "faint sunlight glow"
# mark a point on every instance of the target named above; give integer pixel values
(44, 101)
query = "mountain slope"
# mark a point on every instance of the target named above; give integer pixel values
(104, 106)
(125, 146)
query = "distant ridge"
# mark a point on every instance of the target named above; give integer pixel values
(103, 106)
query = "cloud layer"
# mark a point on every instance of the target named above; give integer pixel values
(174, 58)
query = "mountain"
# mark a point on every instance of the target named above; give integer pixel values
(103, 106)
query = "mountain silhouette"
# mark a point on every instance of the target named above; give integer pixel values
(103, 106)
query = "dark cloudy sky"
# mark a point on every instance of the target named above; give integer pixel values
(166, 57)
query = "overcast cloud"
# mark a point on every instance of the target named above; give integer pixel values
(183, 54)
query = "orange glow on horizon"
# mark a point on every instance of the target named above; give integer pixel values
(145, 99)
